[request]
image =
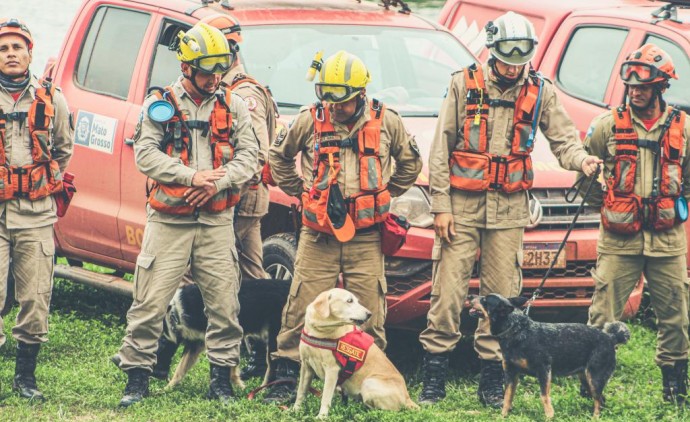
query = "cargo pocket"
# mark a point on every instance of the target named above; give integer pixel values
(383, 289)
(436, 259)
(143, 275)
(288, 311)
(517, 285)
(597, 310)
(45, 267)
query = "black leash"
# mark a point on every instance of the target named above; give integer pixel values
(570, 197)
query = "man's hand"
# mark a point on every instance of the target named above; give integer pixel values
(198, 196)
(205, 178)
(589, 165)
(444, 226)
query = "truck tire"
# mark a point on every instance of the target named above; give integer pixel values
(279, 256)
(9, 299)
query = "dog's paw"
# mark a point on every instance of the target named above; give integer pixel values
(322, 416)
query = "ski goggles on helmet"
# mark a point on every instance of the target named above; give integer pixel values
(14, 23)
(218, 64)
(335, 93)
(643, 72)
(522, 46)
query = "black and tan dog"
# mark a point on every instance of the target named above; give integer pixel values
(261, 305)
(543, 350)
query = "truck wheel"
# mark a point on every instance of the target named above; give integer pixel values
(9, 299)
(279, 256)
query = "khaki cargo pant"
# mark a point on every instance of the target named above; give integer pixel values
(250, 247)
(617, 275)
(32, 253)
(165, 253)
(501, 257)
(320, 260)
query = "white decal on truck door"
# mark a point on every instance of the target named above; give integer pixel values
(95, 131)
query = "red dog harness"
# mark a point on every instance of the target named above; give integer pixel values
(350, 350)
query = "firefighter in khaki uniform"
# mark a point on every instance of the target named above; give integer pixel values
(357, 141)
(646, 172)
(254, 201)
(196, 144)
(480, 172)
(35, 146)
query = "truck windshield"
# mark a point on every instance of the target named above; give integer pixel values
(410, 68)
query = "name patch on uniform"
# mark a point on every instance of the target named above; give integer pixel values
(95, 131)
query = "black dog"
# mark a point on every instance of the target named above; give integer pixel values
(261, 305)
(543, 350)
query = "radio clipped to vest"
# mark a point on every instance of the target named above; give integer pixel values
(625, 212)
(472, 167)
(169, 198)
(42, 177)
(371, 204)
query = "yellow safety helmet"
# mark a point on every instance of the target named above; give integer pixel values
(205, 48)
(342, 77)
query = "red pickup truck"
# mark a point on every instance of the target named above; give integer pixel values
(117, 49)
(582, 44)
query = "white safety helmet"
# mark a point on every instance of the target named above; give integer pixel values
(511, 38)
(535, 212)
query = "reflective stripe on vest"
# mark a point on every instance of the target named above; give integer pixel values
(623, 210)
(372, 203)
(169, 198)
(472, 167)
(42, 177)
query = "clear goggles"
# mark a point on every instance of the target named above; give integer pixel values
(335, 93)
(643, 72)
(218, 64)
(522, 46)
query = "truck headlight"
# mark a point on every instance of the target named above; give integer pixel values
(414, 205)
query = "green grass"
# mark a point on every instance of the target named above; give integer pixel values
(81, 384)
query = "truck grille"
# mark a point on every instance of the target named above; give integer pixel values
(404, 275)
(558, 214)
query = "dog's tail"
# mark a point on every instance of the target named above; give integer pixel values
(618, 330)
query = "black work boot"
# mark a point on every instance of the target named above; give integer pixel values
(285, 388)
(137, 386)
(434, 372)
(164, 355)
(24, 369)
(491, 378)
(256, 364)
(675, 379)
(220, 388)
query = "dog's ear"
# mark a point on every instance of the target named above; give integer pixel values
(321, 305)
(518, 301)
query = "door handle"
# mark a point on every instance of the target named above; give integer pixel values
(129, 141)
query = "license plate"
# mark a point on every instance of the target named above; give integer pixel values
(540, 255)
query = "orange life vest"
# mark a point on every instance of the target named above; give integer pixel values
(367, 207)
(169, 198)
(472, 167)
(42, 177)
(623, 211)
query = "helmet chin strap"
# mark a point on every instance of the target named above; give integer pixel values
(502, 80)
(192, 79)
(359, 109)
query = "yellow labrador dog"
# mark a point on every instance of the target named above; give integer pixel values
(377, 382)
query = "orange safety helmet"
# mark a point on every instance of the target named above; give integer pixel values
(15, 26)
(647, 65)
(228, 25)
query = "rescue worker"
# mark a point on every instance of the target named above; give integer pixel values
(254, 200)
(480, 173)
(195, 142)
(643, 203)
(355, 142)
(35, 147)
